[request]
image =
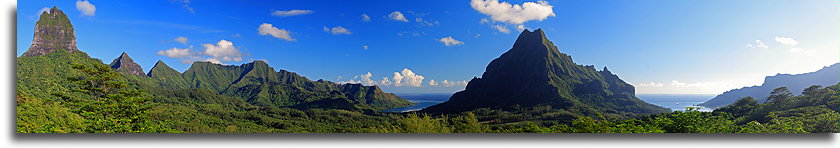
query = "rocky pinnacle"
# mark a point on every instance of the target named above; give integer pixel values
(53, 32)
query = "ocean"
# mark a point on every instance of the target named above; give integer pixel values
(676, 102)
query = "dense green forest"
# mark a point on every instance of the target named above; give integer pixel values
(82, 95)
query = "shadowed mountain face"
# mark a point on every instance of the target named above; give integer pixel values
(534, 72)
(53, 31)
(126, 65)
(826, 76)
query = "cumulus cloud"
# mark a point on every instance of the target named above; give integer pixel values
(182, 40)
(397, 16)
(520, 27)
(282, 13)
(86, 8)
(787, 41)
(365, 47)
(652, 84)
(454, 83)
(407, 78)
(433, 83)
(177, 52)
(223, 51)
(213, 60)
(385, 81)
(269, 29)
(366, 18)
(449, 41)
(757, 44)
(501, 29)
(513, 14)
(337, 30)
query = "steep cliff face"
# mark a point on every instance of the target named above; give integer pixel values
(534, 72)
(126, 65)
(53, 31)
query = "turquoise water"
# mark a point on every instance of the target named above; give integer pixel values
(421, 100)
(676, 102)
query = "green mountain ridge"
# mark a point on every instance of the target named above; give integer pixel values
(259, 84)
(124, 64)
(533, 73)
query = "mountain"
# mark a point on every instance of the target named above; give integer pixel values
(534, 72)
(125, 65)
(260, 84)
(829, 75)
(53, 31)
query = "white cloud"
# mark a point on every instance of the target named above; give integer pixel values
(758, 44)
(281, 13)
(213, 60)
(177, 52)
(45, 9)
(502, 29)
(365, 80)
(513, 14)
(787, 41)
(366, 18)
(449, 41)
(426, 22)
(182, 40)
(485, 20)
(407, 78)
(223, 50)
(397, 16)
(186, 5)
(385, 81)
(652, 84)
(337, 30)
(365, 47)
(520, 27)
(268, 29)
(433, 83)
(477, 35)
(454, 83)
(86, 8)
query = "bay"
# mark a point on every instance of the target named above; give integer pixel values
(676, 102)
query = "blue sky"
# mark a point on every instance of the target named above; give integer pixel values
(662, 47)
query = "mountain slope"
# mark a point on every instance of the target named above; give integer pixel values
(534, 72)
(826, 76)
(259, 84)
(125, 65)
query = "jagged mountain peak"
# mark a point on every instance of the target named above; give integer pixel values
(124, 64)
(53, 31)
(534, 72)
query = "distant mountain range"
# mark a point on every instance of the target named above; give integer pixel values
(46, 67)
(829, 75)
(534, 72)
